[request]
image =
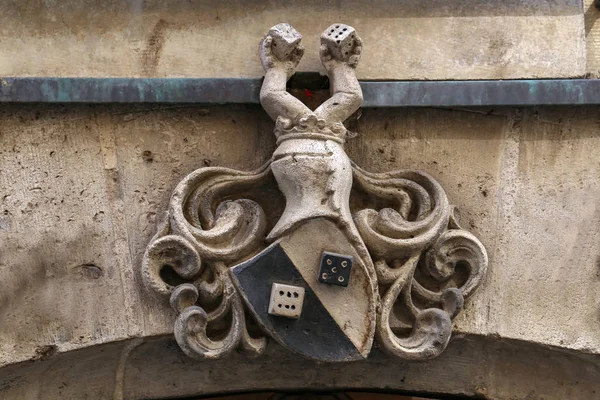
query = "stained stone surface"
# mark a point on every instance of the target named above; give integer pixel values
(429, 39)
(82, 185)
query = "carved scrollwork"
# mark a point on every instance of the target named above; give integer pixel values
(418, 240)
(207, 226)
(191, 326)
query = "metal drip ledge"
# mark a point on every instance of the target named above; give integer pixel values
(246, 91)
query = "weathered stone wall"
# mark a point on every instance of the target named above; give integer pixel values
(427, 39)
(84, 186)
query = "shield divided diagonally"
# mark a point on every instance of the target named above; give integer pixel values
(336, 323)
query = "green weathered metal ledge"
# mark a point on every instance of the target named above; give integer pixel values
(246, 91)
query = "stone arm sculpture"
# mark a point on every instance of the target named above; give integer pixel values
(280, 52)
(340, 52)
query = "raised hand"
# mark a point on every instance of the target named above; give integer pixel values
(340, 53)
(281, 49)
(340, 45)
(280, 52)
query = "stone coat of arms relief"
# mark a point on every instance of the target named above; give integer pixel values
(351, 259)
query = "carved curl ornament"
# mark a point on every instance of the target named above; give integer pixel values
(354, 257)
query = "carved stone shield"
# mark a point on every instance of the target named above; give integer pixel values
(336, 322)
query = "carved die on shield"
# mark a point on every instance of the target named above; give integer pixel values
(345, 258)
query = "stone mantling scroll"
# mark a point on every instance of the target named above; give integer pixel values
(355, 258)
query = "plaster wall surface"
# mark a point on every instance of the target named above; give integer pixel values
(83, 189)
(428, 39)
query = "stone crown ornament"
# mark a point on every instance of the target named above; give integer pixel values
(344, 259)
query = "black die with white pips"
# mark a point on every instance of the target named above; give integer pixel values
(335, 268)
